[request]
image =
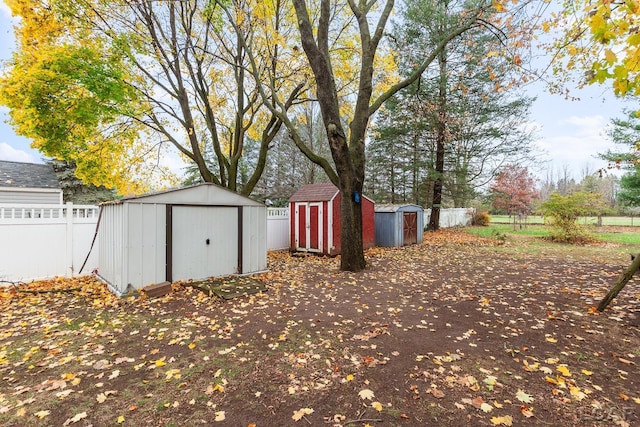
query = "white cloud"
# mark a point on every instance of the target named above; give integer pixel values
(576, 142)
(9, 153)
(5, 10)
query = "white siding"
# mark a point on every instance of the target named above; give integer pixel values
(29, 196)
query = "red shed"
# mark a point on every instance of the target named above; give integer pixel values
(314, 219)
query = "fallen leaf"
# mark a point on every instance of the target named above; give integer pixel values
(527, 411)
(120, 419)
(577, 393)
(377, 406)
(524, 397)
(366, 394)
(297, 415)
(485, 407)
(75, 418)
(219, 416)
(42, 414)
(476, 403)
(564, 370)
(506, 420)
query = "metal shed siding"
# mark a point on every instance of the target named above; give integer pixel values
(145, 241)
(389, 224)
(254, 239)
(133, 237)
(111, 242)
(388, 230)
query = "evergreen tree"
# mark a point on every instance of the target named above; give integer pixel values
(74, 189)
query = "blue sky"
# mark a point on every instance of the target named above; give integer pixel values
(570, 133)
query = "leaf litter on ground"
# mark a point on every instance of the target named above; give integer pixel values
(458, 330)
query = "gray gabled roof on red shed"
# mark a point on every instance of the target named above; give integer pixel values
(322, 192)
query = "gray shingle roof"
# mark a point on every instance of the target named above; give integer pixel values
(315, 193)
(27, 175)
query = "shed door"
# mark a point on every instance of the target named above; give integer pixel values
(301, 226)
(410, 228)
(309, 227)
(315, 227)
(204, 242)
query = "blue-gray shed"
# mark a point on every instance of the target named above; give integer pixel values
(399, 225)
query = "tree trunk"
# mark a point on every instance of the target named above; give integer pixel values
(352, 248)
(621, 282)
(434, 220)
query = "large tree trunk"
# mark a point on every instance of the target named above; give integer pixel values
(348, 155)
(434, 219)
(352, 248)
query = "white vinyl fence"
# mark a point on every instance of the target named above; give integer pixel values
(42, 241)
(277, 228)
(452, 217)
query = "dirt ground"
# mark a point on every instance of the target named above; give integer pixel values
(456, 331)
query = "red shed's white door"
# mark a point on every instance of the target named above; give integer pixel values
(309, 227)
(204, 242)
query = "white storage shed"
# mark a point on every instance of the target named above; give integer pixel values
(194, 232)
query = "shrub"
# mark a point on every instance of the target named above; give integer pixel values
(562, 212)
(481, 218)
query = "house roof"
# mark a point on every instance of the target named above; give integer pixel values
(27, 175)
(315, 193)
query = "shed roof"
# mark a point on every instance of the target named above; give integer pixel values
(315, 193)
(206, 194)
(27, 175)
(395, 208)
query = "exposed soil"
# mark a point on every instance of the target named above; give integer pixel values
(456, 331)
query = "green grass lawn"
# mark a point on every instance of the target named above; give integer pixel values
(588, 220)
(538, 230)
